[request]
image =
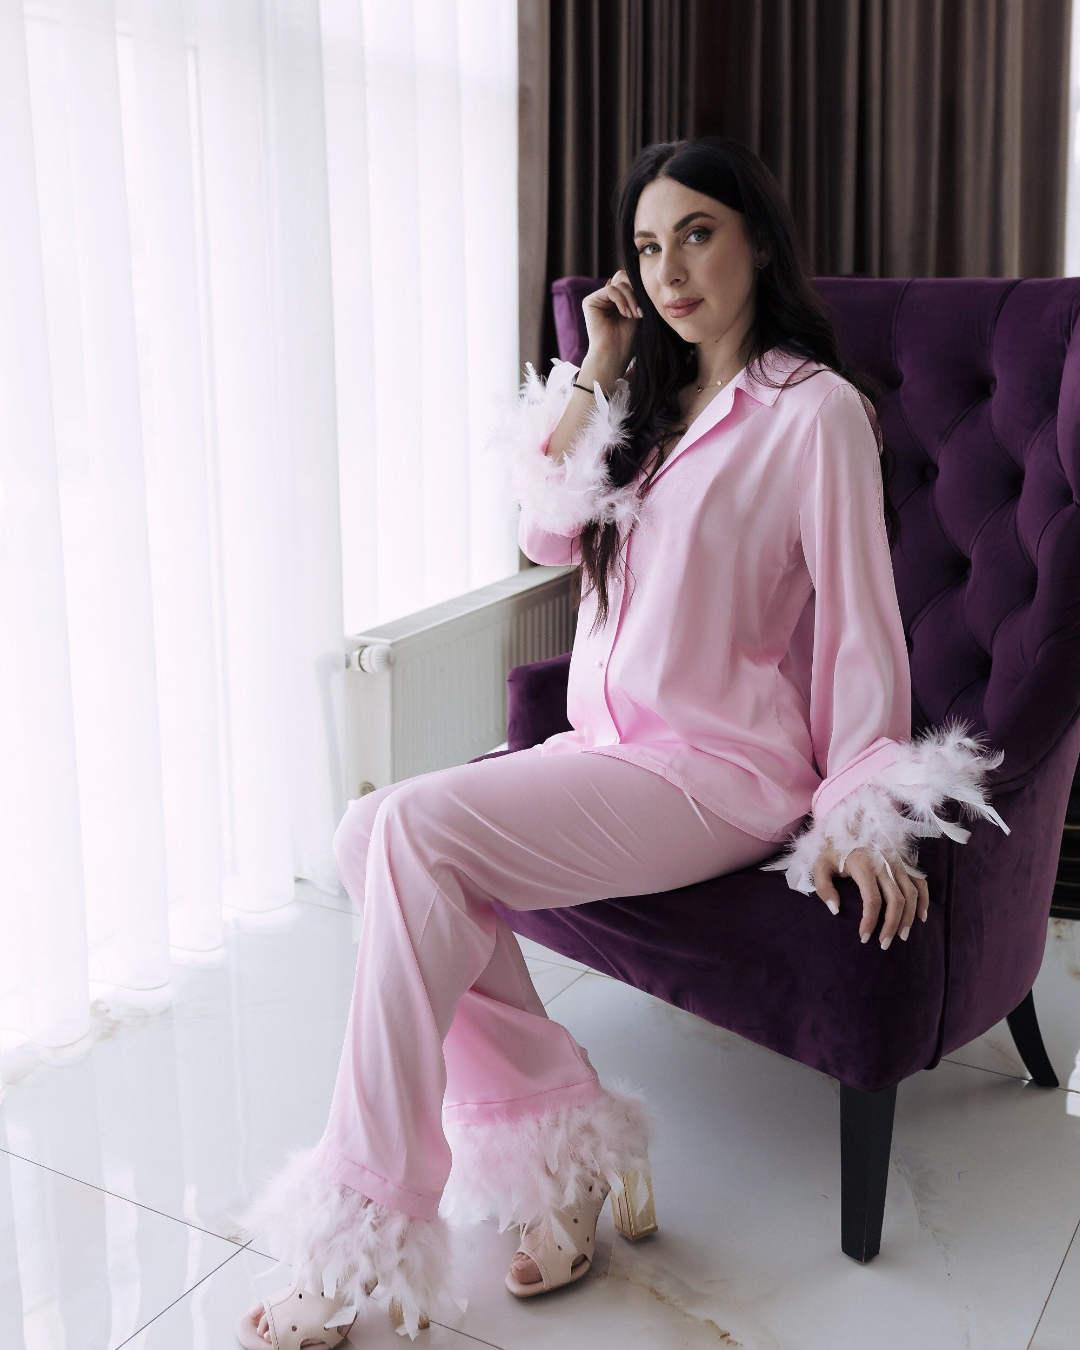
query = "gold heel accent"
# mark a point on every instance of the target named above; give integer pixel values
(634, 1218)
(397, 1317)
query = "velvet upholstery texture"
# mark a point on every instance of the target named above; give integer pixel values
(981, 406)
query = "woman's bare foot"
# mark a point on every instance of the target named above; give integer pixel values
(258, 1316)
(525, 1271)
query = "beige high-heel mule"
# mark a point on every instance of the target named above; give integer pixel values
(298, 1317)
(554, 1247)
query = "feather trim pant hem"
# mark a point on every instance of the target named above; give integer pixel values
(518, 1168)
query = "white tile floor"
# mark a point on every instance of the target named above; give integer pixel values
(121, 1166)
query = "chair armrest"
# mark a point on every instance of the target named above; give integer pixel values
(536, 701)
(1001, 891)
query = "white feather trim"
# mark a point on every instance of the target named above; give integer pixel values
(565, 496)
(891, 811)
(344, 1245)
(519, 1171)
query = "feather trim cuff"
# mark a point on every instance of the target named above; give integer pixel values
(566, 496)
(518, 1171)
(346, 1246)
(898, 805)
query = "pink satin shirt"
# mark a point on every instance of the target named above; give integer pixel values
(754, 653)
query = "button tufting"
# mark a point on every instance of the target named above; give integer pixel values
(930, 470)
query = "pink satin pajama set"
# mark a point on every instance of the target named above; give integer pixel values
(756, 672)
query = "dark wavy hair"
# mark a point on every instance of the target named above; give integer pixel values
(788, 313)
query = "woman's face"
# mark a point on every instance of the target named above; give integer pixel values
(697, 262)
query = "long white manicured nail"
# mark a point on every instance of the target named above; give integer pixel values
(904, 933)
(885, 943)
(865, 937)
(833, 906)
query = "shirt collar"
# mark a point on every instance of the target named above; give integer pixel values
(777, 366)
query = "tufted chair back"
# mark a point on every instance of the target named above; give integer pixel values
(982, 410)
(981, 407)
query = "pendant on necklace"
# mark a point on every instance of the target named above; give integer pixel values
(701, 386)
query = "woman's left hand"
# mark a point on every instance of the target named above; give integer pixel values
(903, 895)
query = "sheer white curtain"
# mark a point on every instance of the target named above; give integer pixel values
(257, 294)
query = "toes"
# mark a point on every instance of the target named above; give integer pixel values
(525, 1270)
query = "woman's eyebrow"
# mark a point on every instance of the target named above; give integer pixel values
(679, 224)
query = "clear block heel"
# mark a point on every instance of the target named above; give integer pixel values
(634, 1211)
(397, 1317)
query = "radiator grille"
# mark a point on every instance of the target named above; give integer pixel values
(435, 692)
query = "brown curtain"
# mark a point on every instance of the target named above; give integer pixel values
(620, 76)
(912, 137)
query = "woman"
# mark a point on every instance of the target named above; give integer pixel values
(739, 662)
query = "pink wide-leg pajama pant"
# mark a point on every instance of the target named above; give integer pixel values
(452, 1070)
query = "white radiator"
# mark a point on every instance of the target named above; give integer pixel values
(429, 690)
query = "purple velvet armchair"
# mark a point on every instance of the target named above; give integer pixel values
(982, 408)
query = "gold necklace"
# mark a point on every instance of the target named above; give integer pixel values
(701, 387)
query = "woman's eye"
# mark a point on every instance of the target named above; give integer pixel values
(698, 235)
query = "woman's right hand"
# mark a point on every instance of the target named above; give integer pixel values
(611, 319)
(890, 885)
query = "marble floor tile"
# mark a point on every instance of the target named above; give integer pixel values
(550, 979)
(1057, 1002)
(984, 1198)
(183, 1109)
(1059, 1326)
(535, 951)
(83, 1270)
(309, 894)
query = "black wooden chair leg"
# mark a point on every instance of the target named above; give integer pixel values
(1024, 1026)
(866, 1124)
